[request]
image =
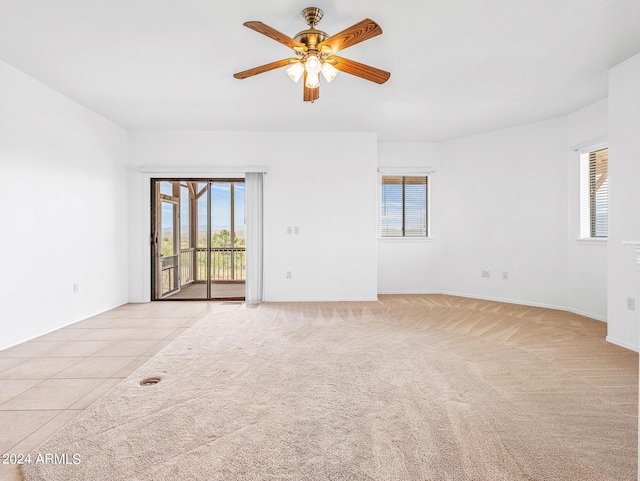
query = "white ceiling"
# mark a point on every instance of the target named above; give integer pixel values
(458, 67)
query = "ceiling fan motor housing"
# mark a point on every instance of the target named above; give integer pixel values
(311, 38)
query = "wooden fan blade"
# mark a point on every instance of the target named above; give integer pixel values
(273, 34)
(309, 95)
(265, 68)
(359, 69)
(357, 33)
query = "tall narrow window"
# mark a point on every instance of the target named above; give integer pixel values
(599, 192)
(595, 193)
(404, 206)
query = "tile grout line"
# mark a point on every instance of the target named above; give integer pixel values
(62, 411)
(23, 392)
(36, 429)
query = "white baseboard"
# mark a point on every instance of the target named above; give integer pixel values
(527, 303)
(586, 314)
(507, 301)
(62, 326)
(346, 299)
(621, 344)
(408, 292)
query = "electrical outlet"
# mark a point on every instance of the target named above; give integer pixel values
(75, 288)
(296, 230)
(288, 274)
(486, 274)
(288, 229)
(631, 303)
(505, 275)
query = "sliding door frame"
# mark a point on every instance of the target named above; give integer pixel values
(141, 230)
(155, 210)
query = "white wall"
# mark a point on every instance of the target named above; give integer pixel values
(624, 201)
(413, 266)
(500, 201)
(63, 210)
(325, 183)
(504, 210)
(587, 260)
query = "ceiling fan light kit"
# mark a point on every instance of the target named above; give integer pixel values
(295, 71)
(329, 72)
(315, 51)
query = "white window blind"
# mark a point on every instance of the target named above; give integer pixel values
(403, 203)
(599, 192)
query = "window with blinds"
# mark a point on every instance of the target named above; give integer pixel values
(598, 192)
(403, 206)
(594, 192)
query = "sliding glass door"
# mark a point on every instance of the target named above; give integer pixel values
(206, 219)
(227, 239)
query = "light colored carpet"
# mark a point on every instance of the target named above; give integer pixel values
(407, 388)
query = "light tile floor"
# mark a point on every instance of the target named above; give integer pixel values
(48, 381)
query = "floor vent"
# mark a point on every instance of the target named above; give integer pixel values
(150, 381)
(227, 303)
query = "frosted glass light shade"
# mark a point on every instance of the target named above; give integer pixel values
(329, 71)
(313, 80)
(313, 66)
(295, 71)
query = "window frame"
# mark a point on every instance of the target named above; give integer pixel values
(405, 173)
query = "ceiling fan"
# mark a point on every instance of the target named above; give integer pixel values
(315, 53)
